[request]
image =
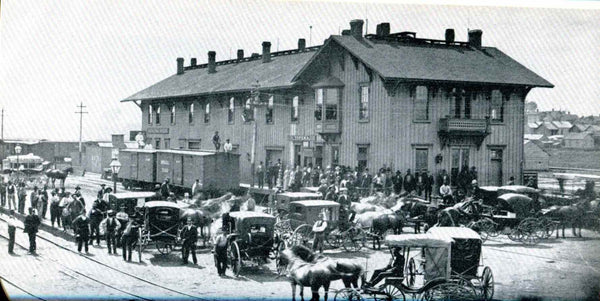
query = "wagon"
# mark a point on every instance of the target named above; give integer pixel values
(442, 264)
(283, 200)
(131, 200)
(517, 216)
(303, 215)
(252, 239)
(160, 226)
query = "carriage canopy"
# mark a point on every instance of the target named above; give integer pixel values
(162, 220)
(520, 204)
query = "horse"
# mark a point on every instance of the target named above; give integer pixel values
(58, 174)
(573, 214)
(200, 218)
(460, 214)
(306, 268)
(414, 209)
(384, 222)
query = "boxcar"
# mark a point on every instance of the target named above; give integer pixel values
(146, 168)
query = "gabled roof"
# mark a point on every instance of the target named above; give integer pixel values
(398, 60)
(230, 77)
(550, 125)
(534, 136)
(534, 125)
(562, 124)
(581, 127)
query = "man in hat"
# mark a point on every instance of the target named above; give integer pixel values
(110, 226)
(319, 229)
(12, 227)
(196, 188)
(220, 252)
(216, 140)
(32, 222)
(81, 225)
(128, 238)
(189, 237)
(106, 194)
(22, 195)
(394, 268)
(96, 216)
(11, 194)
(101, 191)
(123, 219)
(165, 190)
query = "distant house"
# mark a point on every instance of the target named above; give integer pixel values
(532, 127)
(535, 137)
(562, 126)
(547, 128)
(98, 155)
(536, 158)
(578, 128)
(579, 140)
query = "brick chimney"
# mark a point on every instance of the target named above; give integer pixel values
(179, 65)
(346, 32)
(266, 53)
(212, 65)
(193, 62)
(383, 29)
(475, 38)
(240, 54)
(118, 141)
(356, 28)
(449, 35)
(301, 44)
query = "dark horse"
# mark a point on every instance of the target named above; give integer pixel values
(305, 268)
(573, 214)
(385, 222)
(54, 174)
(415, 209)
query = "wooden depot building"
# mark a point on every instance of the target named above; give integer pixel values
(384, 99)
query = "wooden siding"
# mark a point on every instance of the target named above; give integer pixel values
(390, 132)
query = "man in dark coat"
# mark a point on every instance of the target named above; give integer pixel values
(397, 179)
(111, 225)
(81, 225)
(366, 182)
(409, 182)
(129, 237)
(165, 190)
(189, 237)
(32, 222)
(101, 191)
(96, 217)
(428, 179)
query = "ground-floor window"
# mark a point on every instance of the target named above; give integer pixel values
(167, 143)
(496, 155)
(421, 159)
(182, 143)
(194, 144)
(157, 143)
(362, 157)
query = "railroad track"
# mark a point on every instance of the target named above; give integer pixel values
(6, 281)
(154, 284)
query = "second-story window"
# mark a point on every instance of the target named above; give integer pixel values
(363, 109)
(207, 113)
(150, 114)
(496, 106)
(269, 113)
(231, 110)
(158, 114)
(173, 114)
(294, 111)
(319, 102)
(421, 104)
(191, 113)
(331, 104)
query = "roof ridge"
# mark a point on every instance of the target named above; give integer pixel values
(255, 58)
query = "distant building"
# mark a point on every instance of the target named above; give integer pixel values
(536, 158)
(54, 152)
(578, 128)
(579, 140)
(98, 155)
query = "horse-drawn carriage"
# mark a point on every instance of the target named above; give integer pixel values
(251, 238)
(442, 264)
(303, 215)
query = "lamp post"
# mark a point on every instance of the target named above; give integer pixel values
(115, 166)
(18, 149)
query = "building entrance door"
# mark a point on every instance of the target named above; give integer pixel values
(272, 156)
(496, 167)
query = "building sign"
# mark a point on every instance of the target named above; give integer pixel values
(158, 130)
(303, 137)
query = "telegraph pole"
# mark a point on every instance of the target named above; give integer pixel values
(2, 127)
(80, 112)
(255, 94)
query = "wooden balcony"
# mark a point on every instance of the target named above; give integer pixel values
(329, 130)
(476, 129)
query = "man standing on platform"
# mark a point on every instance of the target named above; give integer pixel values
(216, 140)
(12, 227)
(189, 237)
(32, 222)
(11, 193)
(227, 147)
(81, 225)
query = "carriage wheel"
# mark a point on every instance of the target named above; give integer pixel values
(411, 273)
(547, 226)
(530, 227)
(164, 248)
(302, 236)
(334, 239)
(450, 291)
(351, 244)
(487, 284)
(235, 260)
(393, 293)
(515, 235)
(487, 228)
(348, 294)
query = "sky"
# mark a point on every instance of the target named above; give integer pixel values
(55, 55)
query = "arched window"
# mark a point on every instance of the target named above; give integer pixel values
(294, 112)
(231, 110)
(421, 104)
(173, 114)
(158, 114)
(207, 113)
(150, 114)
(191, 113)
(319, 104)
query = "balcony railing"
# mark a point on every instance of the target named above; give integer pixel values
(464, 126)
(328, 126)
(477, 129)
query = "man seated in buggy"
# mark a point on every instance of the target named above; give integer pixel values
(395, 268)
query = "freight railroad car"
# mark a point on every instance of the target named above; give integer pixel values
(146, 168)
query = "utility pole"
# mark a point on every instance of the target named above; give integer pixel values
(2, 127)
(80, 112)
(255, 94)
